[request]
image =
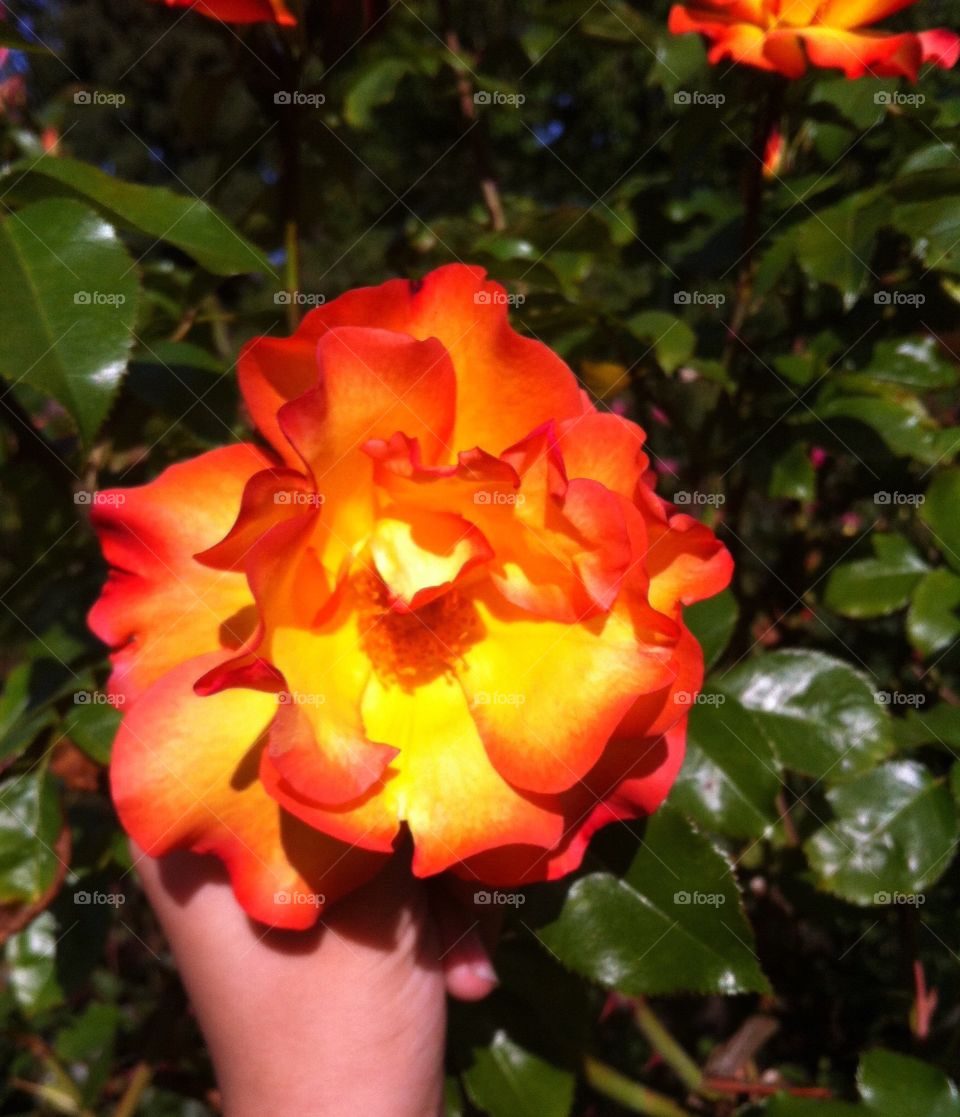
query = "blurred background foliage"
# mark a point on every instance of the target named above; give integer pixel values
(787, 337)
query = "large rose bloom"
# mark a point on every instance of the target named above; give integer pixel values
(783, 35)
(444, 598)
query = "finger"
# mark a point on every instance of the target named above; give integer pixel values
(465, 937)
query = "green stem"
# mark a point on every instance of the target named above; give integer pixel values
(139, 1080)
(631, 1095)
(663, 1042)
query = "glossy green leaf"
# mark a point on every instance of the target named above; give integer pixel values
(835, 245)
(904, 426)
(712, 622)
(894, 1085)
(938, 724)
(730, 776)
(915, 362)
(875, 587)
(940, 511)
(70, 300)
(672, 923)
(29, 824)
(793, 476)
(820, 716)
(32, 965)
(188, 223)
(893, 835)
(934, 226)
(933, 621)
(671, 339)
(508, 1081)
(93, 726)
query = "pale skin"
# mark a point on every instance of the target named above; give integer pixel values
(347, 1018)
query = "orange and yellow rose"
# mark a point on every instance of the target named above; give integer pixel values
(784, 35)
(442, 598)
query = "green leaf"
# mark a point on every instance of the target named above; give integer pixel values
(856, 100)
(672, 923)
(941, 725)
(69, 305)
(932, 619)
(894, 1085)
(934, 226)
(893, 834)
(712, 622)
(19, 724)
(92, 726)
(376, 86)
(508, 1081)
(29, 824)
(793, 476)
(835, 245)
(730, 776)
(939, 512)
(819, 716)
(189, 223)
(903, 425)
(671, 339)
(32, 961)
(878, 586)
(910, 363)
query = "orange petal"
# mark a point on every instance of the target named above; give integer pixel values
(687, 563)
(184, 776)
(160, 606)
(857, 13)
(940, 47)
(239, 11)
(861, 53)
(452, 798)
(469, 317)
(547, 696)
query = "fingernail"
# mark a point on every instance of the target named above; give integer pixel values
(482, 969)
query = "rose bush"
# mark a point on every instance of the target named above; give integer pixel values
(449, 599)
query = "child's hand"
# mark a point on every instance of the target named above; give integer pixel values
(343, 1020)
